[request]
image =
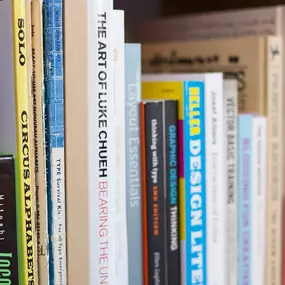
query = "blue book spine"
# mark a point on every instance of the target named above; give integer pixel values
(195, 183)
(245, 123)
(54, 104)
(133, 163)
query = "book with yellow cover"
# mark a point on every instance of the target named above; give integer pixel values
(39, 141)
(256, 63)
(15, 130)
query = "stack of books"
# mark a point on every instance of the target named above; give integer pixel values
(140, 164)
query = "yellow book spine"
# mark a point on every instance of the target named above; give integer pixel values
(28, 270)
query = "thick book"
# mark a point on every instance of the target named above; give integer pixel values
(101, 146)
(76, 146)
(9, 230)
(15, 126)
(133, 163)
(257, 64)
(54, 125)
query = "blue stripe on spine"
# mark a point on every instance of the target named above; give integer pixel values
(54, 97)
(195, 184)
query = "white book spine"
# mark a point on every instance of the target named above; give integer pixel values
(230, 125)
(101, 147)
(120, 209)
(215, 182)
(258, 200)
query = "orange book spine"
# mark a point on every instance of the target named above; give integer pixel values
(144, 197)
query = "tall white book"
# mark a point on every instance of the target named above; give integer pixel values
(101, 147)
(216, 191)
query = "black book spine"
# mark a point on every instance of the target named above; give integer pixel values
(170, 115)
(155, 184)
(8, 222)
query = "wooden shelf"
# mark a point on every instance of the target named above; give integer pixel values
(178, 7)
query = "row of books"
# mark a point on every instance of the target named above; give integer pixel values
(114, 174)
(247, 45)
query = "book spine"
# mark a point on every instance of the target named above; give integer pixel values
(101, 147)
(144, 195)
(231, 164)
(120, 209)
(24, 145)
(133, 163)
(195, 188)
(39, 142)
(54, 109)
(258, 194)
(8, 227)
(215, 182)
(170, 114)
(30, 88)
(244, 197)
(275, 161)
(155, 192)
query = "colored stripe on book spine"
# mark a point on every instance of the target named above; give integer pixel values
(171, 178)
(195, 189)
(144, 196)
